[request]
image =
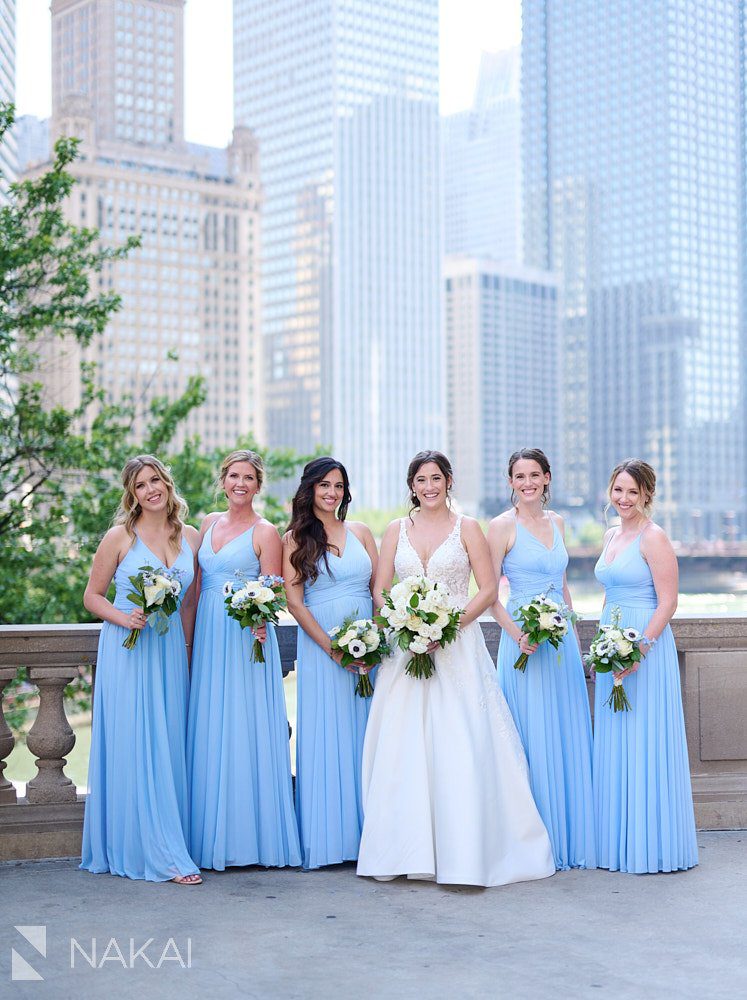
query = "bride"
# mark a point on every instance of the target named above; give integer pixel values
(445, 789)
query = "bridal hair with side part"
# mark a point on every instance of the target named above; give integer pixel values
(422, 458)
(531, 455)
(645, 479)
(129, 509)
(308, 531)
(240, 455)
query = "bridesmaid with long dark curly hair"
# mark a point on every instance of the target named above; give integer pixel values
(328, 565)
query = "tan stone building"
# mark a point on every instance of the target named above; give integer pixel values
(190, 291)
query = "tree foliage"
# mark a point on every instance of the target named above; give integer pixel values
(59, 467)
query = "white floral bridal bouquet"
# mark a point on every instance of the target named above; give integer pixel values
(156, 591)
(253, 603)
(417, 612)
(543, 620)
(614, 649)
(360, 640)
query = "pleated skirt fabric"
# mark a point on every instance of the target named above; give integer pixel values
(238, 757)
(550, 706)
(331, 727)
(137, 810)
(642, 792)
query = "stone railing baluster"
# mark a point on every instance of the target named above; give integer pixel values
(7, 740)
(50, 738)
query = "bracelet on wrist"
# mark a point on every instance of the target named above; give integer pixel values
(649, 642)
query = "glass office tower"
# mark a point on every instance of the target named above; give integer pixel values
(634, 174)
(343, 98)
(8, 162)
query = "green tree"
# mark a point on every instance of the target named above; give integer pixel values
(59, 484)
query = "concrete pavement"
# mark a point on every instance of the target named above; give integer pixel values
(328, 934)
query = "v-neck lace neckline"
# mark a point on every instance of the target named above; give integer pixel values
(440, 545)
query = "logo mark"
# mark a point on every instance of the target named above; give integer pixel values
(20, 969)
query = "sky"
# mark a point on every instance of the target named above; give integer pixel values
(467, 27)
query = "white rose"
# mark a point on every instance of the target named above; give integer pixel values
(372, 639)
(418, 646)
(414, 623)
(265, 595)
(238, 599)
(546, 621)
(398, 619)
(349, 636)
(361, 624)
(154, 594)
(386, 611)
(624, 647)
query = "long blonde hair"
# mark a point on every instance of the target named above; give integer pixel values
(129, 509)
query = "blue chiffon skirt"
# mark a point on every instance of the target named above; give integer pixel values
(642, 792)
(241, 796)
(137, 812)
(550, 706)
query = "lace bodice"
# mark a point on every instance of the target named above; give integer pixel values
(449, 563)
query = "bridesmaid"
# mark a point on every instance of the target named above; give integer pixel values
(137, 810)
(642, 794)
(238, 759)
(549, 701)
(328, 566)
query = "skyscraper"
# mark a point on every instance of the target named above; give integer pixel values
(8, 164)
(343, 98)
(502, 347)
(634, 190)
(32, 140)
(482, 165)
(117, 83)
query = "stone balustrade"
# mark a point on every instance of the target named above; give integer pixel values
(47, 823)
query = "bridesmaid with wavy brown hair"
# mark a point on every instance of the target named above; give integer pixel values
(328, 565)
(137, 810)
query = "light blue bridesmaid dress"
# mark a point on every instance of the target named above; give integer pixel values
(238, 759)
(550, 706)
(642, 793)
(331, 716)
(137, 810)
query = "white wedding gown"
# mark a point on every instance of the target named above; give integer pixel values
(445, 788)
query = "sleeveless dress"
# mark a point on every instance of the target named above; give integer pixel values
(137, 810)
(445, 787)
(642, 794)
(238, 757)
(550, 706)
(331, 716)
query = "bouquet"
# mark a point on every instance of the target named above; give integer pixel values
(156, 591)
(543, 620)
(418, 611)
(614, 649)
(253, 603)
(360, 639)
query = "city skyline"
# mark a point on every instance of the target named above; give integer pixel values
(467, 27)
(351, 227)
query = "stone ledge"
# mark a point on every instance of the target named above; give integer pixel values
(41, 831)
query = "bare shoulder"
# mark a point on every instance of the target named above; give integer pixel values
(361, 531)
(471, 527)
(392, 529)
(193, 537)
(116, 540)
(289, 542)
(209, 519)
(265, 529)
(654, 539)
(557, 519)
(501, 526)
